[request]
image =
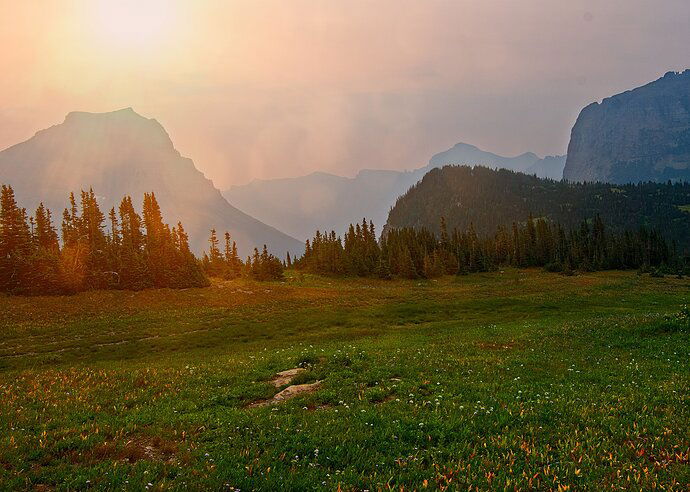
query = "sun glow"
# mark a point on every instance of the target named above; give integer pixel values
(134, 25)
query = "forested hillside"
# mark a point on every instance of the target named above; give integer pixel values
(488, 198)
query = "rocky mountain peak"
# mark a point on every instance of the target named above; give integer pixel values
(123, 153)
(639, 135)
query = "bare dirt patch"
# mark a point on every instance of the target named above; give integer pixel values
(385, 399)
(497, 346)
(139, 448)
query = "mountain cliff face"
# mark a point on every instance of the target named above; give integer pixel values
(639, 135)
(122, 153)
(321, 201)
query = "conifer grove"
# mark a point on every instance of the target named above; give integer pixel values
(418, 253)
(125, 250)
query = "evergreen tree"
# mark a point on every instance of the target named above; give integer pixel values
(16, 245)
(409, 253)
(406, 268)
(133, 273)
(233, 264)
(91, 243)
(32, 260)
(383, 270)
(45, 273)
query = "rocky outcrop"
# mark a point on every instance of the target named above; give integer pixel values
(639, 135)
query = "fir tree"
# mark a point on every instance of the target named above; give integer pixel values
(16, 245)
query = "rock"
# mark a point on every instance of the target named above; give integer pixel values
(288, 393)
(639, 135)
(295, 390)
(285, 377)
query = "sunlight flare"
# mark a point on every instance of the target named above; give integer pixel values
(134, 24)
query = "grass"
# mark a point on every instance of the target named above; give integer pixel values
(499, 381)
(684, 208)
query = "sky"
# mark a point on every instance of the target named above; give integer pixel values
(261, 89)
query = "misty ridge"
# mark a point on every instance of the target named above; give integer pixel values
(637, 136)
(322, 201)
(122, 153)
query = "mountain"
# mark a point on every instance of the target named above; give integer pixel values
(321, 201)
(550, 167)
(529, 163)
(120, 153)
(639, 135)
(488, 198)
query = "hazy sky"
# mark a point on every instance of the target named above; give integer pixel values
(275, 88)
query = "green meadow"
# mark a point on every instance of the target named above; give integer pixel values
(508, 380)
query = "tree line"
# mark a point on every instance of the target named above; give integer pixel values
(419, 253)
(136, 251)
(226, 264)
(124, 250)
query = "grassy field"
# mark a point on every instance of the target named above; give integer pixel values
(508, 380)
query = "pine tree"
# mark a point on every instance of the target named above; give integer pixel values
(228, 247)
(191, 272)
(216, 263)
(90, 251)
(214, 251)
(133, 273)
(383, 270)
(256, 265)
(406, 268)
(16, 245)
(45, 273)
(159, 251)
(235, 260)
(114, 227)
(229, 257)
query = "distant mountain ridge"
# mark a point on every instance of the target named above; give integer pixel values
(528, 163)
(639, 135)
(322, 201)
(120, 153)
